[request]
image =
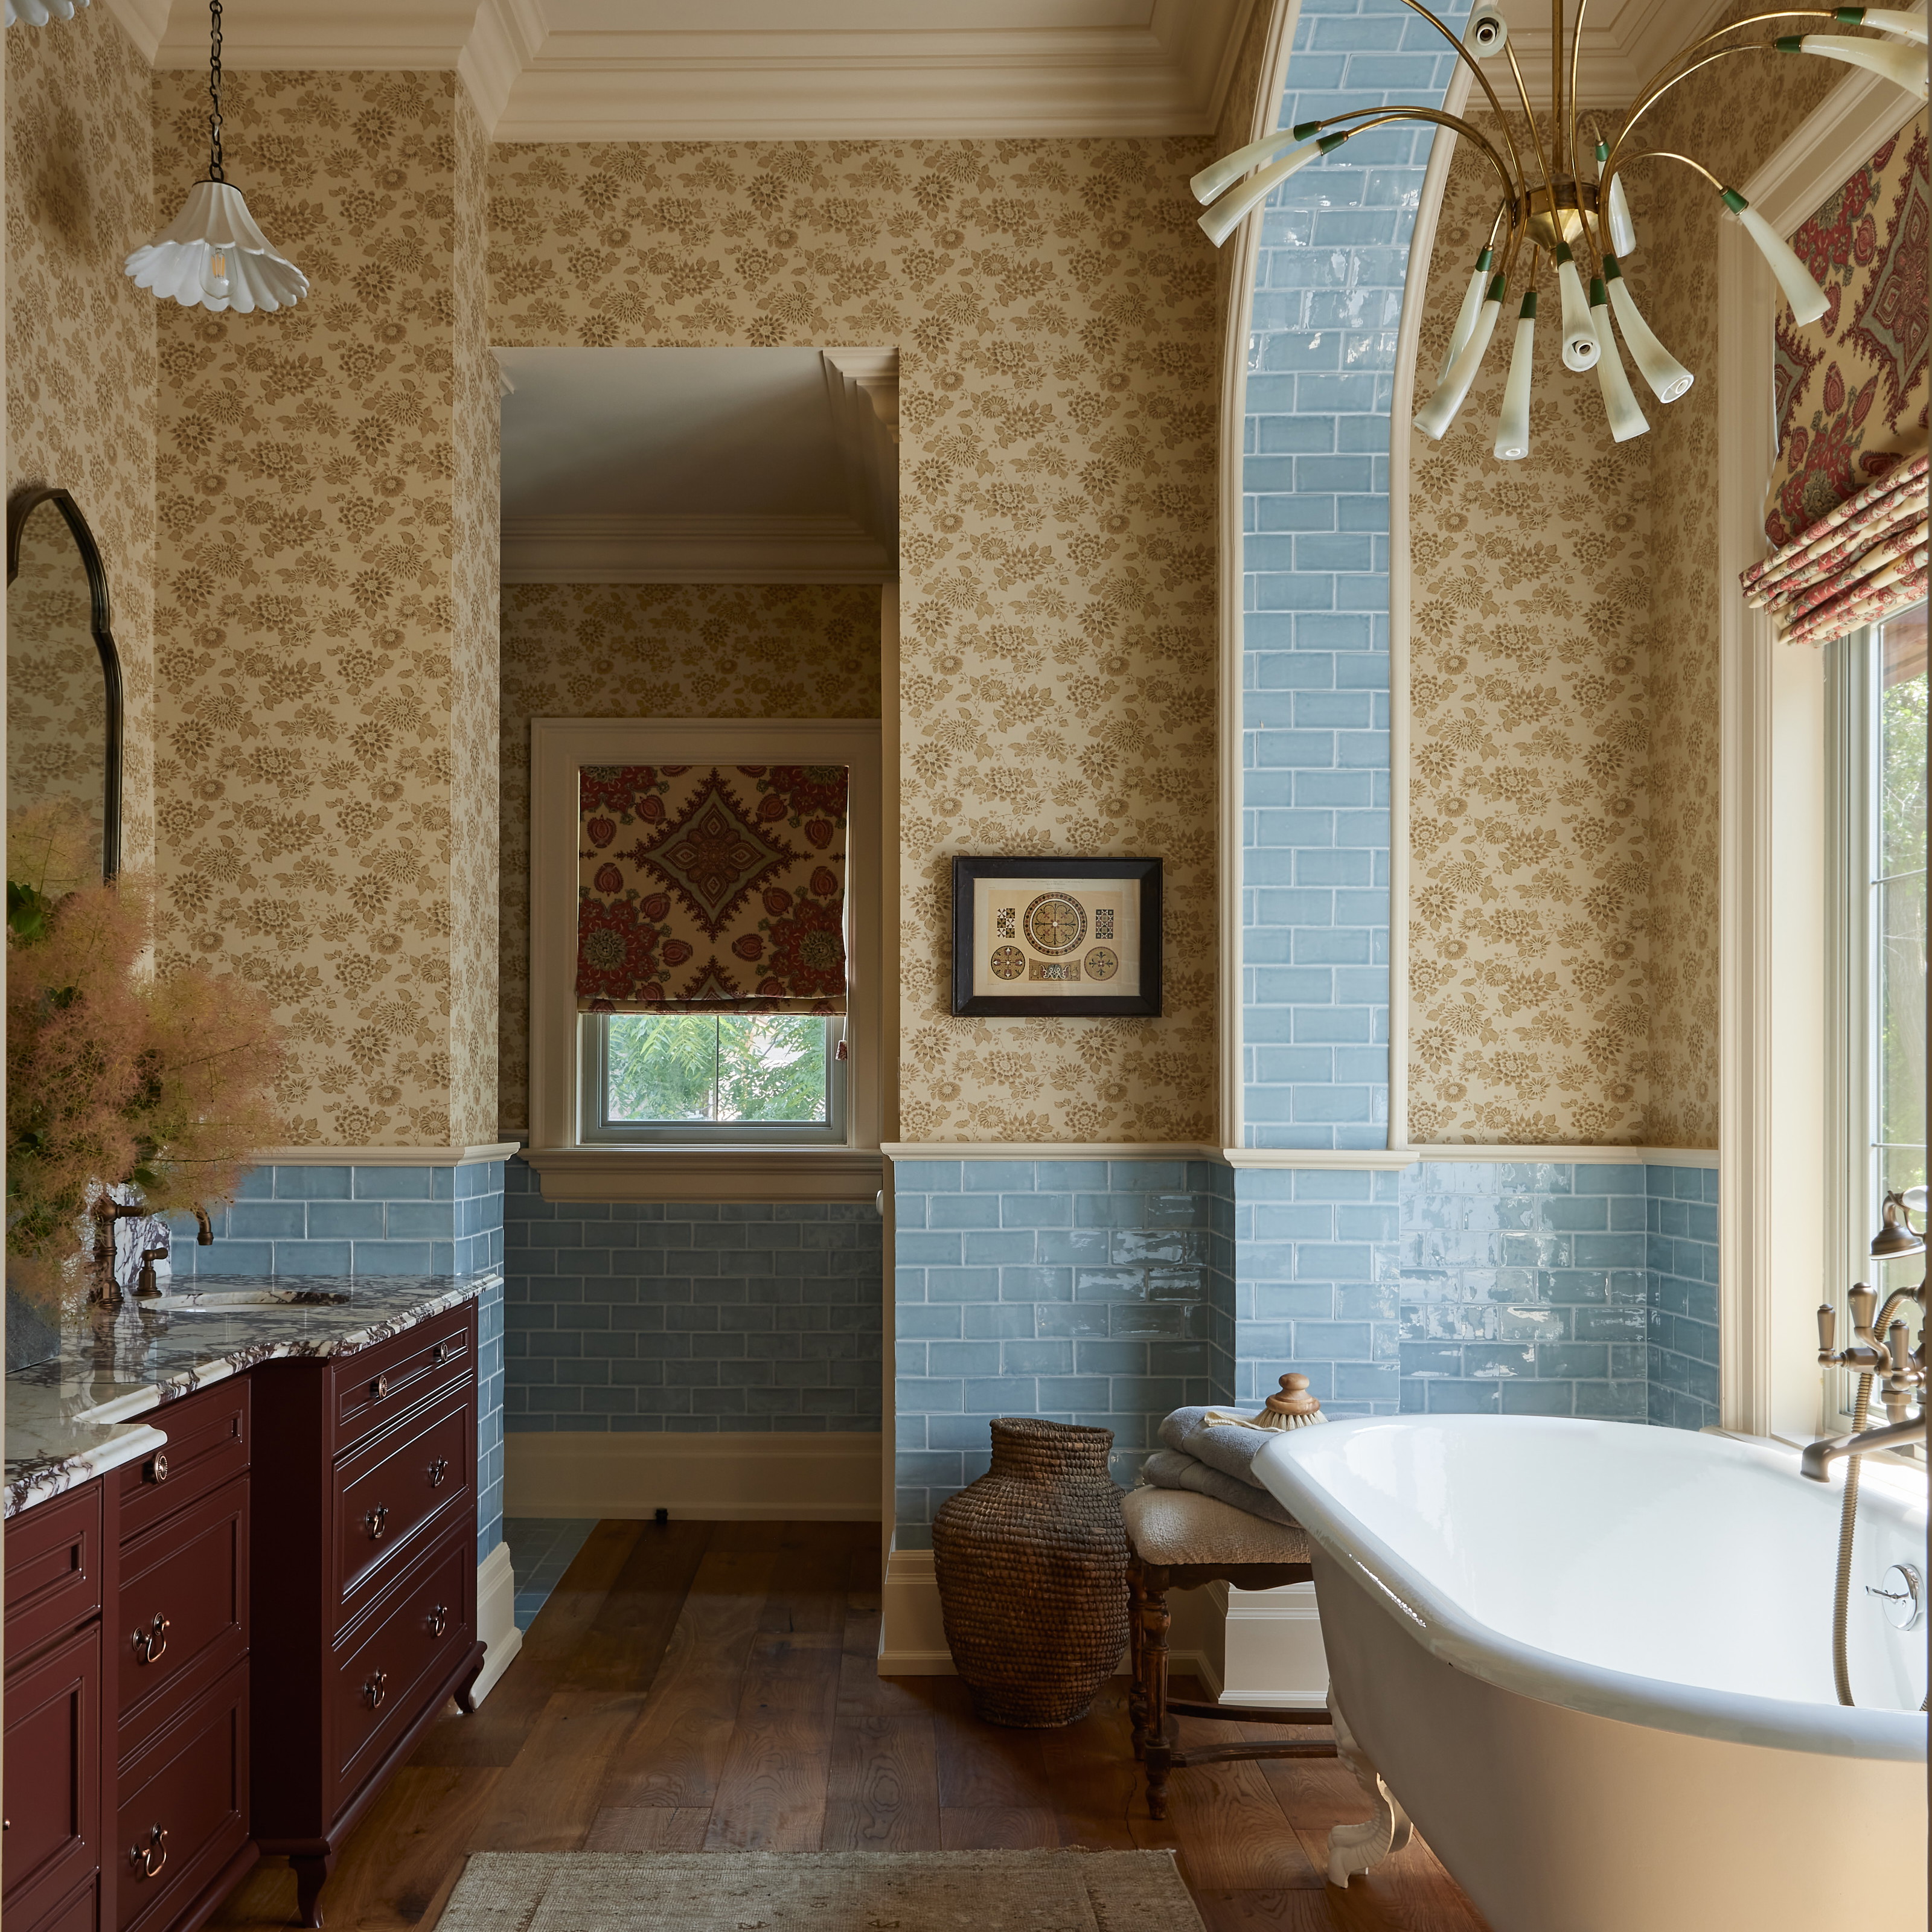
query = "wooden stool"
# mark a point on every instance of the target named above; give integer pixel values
(1178, 1541)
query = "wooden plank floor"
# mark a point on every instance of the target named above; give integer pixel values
(712, 1686)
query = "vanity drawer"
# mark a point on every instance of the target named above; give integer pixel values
(394, 1495)
(208, 1445)
(53, 1569)
(53, 1793)
(184, 1811)
(376, 1384)
(415, 1636)
(182, 1619)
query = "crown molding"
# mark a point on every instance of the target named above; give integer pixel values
(1621, 49)
(677, 549)
(720, 70)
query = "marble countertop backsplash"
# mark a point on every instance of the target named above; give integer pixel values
(75, 1417)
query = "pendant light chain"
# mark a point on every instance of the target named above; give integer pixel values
(214, 173)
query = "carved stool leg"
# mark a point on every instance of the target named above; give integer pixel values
(311, 1875)
(1157, 1741)
(1137, 1696)
(1361, 1848)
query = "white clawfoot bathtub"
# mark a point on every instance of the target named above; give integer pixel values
(1593, 1662)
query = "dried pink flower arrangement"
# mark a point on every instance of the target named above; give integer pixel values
(114, 1075)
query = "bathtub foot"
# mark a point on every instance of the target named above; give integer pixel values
(1361, 1848)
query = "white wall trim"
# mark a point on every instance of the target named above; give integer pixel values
(1402, 433)
(1050, 1150)
(670, 547)
(385, 1156)
(559, 746)
(1230, 593)
(1586, 1156)
(733, 1174)
(496, 1617)
(782, 1476)
(1775, 1244)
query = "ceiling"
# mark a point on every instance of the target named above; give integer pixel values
(736, 70)
(719, 465)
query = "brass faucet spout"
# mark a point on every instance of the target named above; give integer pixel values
(1820, 1456)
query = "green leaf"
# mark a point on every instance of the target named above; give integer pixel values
(27, 912)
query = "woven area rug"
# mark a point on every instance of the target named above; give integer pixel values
(820, 1892)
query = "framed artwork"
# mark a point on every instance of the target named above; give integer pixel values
(1047, 936)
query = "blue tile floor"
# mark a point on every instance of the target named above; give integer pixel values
(541, 1548)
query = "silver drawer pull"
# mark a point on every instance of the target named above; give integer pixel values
(438, 1619)
(378, 1388)
(439, 1355)
(152, 1644)
(438, 1470)
(142, 1857)
(156, 1470)
(375, 1688)
(376, 1523)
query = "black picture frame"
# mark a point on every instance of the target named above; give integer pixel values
(1146, 1004)
(101, 621)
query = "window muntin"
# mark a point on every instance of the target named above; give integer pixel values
(1896, 888)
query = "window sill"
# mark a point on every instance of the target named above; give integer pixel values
(707, 1174)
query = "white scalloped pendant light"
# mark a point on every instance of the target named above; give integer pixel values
(38, 13)
(212, 255)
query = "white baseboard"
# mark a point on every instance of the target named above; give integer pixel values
(782, 1477)
(496, 1618)
(1273, 1648)
(912, 1632)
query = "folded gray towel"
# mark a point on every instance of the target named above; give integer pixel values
(1226, 1447)
(1171, 1469)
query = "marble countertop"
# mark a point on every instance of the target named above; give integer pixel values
(73, 1418)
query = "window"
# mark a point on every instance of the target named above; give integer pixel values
(651, 1078)
(1877, 680)
(763, 1079)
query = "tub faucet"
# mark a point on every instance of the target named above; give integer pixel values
(1897, 1369)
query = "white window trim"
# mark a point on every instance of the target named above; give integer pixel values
(569, 1169)
(1777, 1251)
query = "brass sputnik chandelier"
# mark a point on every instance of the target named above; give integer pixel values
(1548, 207)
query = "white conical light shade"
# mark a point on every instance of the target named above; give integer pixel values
(1512, 440)
(214, 239)
(1435, 415)
(1904, 66)
(1225, 216)
(1667, 377)
(1580, 349)
(1626, 420)
(1886, 19)
(1806, 297)
(1472, 301)
(1623, 230)
(38, 13)
(1212, 179)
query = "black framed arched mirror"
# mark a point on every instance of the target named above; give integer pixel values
(63, 674)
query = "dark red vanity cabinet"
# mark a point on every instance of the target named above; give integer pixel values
(363, 1554)
(177, 1645)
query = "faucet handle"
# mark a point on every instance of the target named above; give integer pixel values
(1864, 1305)
(1828, 1331)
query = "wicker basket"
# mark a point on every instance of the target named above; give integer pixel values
(1032, 1565)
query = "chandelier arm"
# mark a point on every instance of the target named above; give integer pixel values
(1651, 89)
(1379, 117)
(1575, 54)
(1612, 167)
(1536, 134)
(1556, 82)
(1665, 155)
(1482, 81)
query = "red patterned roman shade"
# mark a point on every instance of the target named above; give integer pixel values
(711, 889)
(1846, 509)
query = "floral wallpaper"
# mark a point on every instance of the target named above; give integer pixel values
(80, 336)
(1851, 386)
(326, 618)
(56, 696)
(1733, 129)
(1055, 311)
(1530, 810)
(657, 650)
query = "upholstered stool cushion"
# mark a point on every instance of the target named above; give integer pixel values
(1173, 1529)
